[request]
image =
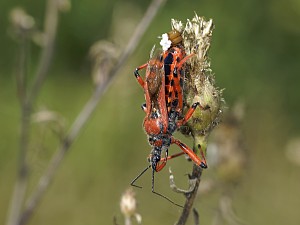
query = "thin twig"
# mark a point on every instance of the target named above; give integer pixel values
(192, 184)
(26, 101)
(22, 179)
(50, 29)
(21, 70)
(196, 174)
(21, 182)
(86, 112)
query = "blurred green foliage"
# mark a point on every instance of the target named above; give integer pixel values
(255, 56)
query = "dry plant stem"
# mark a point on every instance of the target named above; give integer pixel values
(21, 182)
(192, 183)
(51, 22)
(21, 70)
(86, 112)
(27, 99)
(196, 174)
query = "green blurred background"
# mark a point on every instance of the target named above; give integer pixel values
(255, 57)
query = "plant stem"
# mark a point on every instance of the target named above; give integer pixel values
(22, 174)
(50, 29)
(196, 174)
(27, 99)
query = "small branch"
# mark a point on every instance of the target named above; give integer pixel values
(26, 102)
(192, 184)
(50, 29)
(196, 174)
(21, 70)
(86, 112)
(44, 181)
(22, 176)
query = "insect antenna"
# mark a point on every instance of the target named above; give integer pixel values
(138, 176)
(161, 195)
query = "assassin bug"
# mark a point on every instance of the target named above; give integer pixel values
(164, 109)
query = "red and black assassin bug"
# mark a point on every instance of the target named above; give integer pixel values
(164, 108)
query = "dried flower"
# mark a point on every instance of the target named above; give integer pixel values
(103, 54)
(22, 22)
(199, 83)
(128, 206)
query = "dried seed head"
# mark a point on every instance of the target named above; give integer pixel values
(103, 54)
(128, 206)
(199, 83)
(128, 203)
(177, 25)
(22, 22)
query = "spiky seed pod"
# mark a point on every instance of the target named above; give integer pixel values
(199, 83)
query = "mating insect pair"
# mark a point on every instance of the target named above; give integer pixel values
(163, 90)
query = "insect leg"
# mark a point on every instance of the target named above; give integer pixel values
(137, 75)
(164, 160)
(179, 65)
(161, 164)
(160, 195)
(138, 176)
(188, 115)
(191, 153)
(173, 156)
